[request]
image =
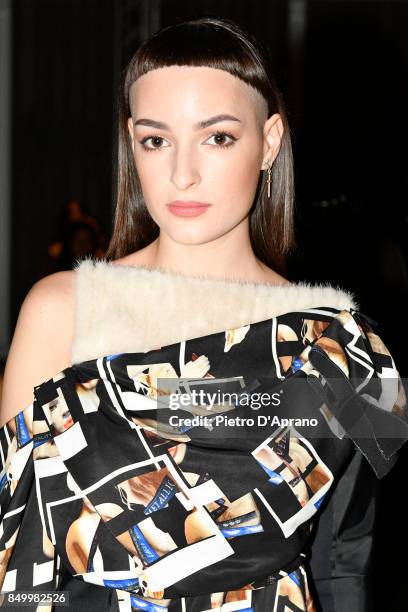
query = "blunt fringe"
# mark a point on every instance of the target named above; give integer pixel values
(222, 44)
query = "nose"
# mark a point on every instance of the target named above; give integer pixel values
(184, 171)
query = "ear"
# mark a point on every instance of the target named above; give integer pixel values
(273, 133)
(130, 128)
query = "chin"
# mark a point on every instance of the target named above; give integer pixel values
(192, 236)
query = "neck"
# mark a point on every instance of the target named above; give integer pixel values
(228, 257)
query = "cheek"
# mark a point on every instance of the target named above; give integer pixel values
(58, 421)
(148, 172)
(149, 168)
(237, 180)
(247, 175)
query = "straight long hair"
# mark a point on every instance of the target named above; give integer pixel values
(220, 44)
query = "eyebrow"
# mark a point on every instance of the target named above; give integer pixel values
(197, 126)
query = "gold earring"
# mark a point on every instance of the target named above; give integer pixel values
(269, 180)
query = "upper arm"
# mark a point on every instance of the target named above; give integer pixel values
(41, 344)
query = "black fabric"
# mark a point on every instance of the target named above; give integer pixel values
(101, 497)
(341, 552)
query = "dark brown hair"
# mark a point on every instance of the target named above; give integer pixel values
(222, 44)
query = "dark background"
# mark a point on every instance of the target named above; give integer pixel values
(342, 69)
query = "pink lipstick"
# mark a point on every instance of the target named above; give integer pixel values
(190, 208)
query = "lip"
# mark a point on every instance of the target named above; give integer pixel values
(68, 423)
(190, 208)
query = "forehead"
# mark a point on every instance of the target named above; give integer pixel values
(195, 89)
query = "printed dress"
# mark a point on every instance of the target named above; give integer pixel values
(187, 478)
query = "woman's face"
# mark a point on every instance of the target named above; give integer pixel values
(179, 159)
(61, 416)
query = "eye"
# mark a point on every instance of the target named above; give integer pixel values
(157, 140)
(220, 139)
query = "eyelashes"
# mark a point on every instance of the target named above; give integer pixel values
(228, 135)
(217, 134)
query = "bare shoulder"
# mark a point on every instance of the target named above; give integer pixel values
(42, 339)
(57, 286)
(49, 307)
(54, 289)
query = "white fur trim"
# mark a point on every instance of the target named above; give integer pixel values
(122, 308)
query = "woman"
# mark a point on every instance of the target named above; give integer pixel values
(193, 295)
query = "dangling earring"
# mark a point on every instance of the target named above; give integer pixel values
(269, 180)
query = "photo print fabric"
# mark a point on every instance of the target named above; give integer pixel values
(110, 493)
